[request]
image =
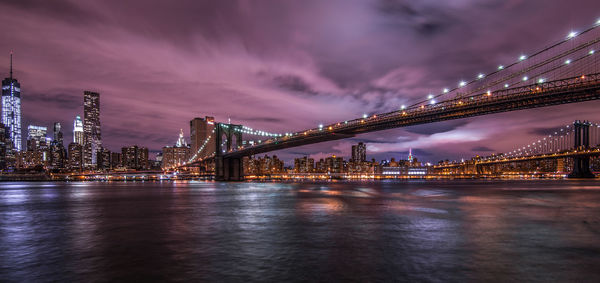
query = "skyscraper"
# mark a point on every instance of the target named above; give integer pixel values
(200, 129)
(11, 108)
(58, 135)
(176, 155)
(92, 141)
(75, 156)
(135, 157)
(36, 137)
(3, 147)
(78, 130)
(359, 153)
(59, 154)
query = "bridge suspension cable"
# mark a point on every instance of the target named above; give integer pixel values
(559, 141)
(482, 81)
(196, 155)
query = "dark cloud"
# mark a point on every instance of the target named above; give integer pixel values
(440, 127)
(66, 11)
(482, 149)
(280, 66)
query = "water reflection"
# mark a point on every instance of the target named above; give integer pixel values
(379, 231)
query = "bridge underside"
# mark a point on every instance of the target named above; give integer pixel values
(527, 97)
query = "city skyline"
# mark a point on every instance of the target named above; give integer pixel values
(291, 93)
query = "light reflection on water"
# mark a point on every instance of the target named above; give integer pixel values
(361, 231)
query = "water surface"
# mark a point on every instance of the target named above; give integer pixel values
(278, 232)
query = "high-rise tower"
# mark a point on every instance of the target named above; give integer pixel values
(11, 108)
(92, 141)
(359, 153)
(78, 131)
(200, 130)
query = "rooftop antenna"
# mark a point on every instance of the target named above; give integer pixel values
(11, 63)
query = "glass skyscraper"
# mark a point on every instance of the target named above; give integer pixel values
(78, 131)
(92, 141)
(11, 109)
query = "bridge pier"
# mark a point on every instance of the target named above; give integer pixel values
(581, 164)
(229, 169)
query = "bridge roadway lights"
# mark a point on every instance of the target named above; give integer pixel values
(229, 169)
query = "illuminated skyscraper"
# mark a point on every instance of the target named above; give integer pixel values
(36, 138)
(11, 108)
(92, 141)
(58, 135)
(176, 155)
(78, 131)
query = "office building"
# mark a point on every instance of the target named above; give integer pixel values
(359, 153)
(78, 130)
(31, 159)
(116, 160)
(11, 109)
(200, 130)
(36, 138)
(135, 157)
(177, 154)
(4, 141)
(263, 165)
(58, 152)
(103, 162)
(304, 165)
(75, 156)
(92, 140)
(57, 134)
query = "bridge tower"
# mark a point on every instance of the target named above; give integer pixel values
(581, 164)
(231, 168)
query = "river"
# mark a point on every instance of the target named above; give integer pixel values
(376, 231)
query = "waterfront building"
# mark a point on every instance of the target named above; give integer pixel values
(177, 154)
(58, 152)
(263, 165)
(11, 109)
(36, 137)
(75, 156)
(103, 161)
(135, 157)
(116, 160)
(4, 144)
(92, 140)
(200, 130)
(304, 165)
(334, 164)
(78, 130)
(31, 159)
(359, 153)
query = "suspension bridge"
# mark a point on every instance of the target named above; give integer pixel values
(578, 142)
(566, 71)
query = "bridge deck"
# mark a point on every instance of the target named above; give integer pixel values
(569, 90)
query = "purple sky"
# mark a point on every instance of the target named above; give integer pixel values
(281, 66)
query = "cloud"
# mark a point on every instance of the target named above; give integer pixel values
(280, 66)
(482, 149)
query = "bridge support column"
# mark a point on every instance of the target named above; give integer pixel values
(229, 169)
(581, 164)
